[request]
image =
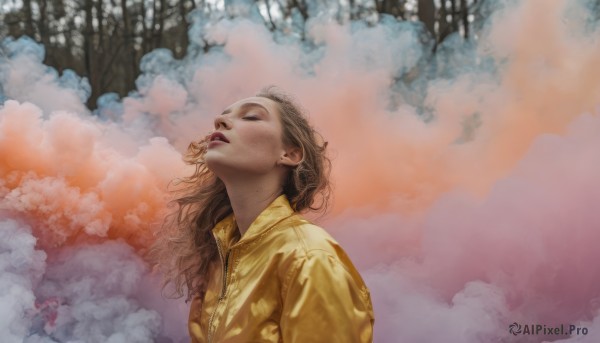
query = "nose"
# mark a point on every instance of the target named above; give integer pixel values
(221, 121)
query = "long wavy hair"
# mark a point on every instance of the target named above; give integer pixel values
(185, 247)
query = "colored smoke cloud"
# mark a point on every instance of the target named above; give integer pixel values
(465, 181)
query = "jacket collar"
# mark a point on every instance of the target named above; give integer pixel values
(227, 232)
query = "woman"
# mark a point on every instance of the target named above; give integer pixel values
(255, 269)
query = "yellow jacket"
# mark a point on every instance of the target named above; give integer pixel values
(286, 280)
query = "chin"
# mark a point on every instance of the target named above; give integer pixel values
(212, 162)
(218, 166)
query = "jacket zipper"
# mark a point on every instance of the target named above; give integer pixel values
(224, 265)
(226, 268)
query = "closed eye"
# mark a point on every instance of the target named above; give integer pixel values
(250, 118)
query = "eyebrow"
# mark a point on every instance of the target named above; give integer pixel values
(245, 105)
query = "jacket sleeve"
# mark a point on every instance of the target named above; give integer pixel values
(326, 300)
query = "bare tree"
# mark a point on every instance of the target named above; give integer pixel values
(392, 7)
(426, 13)
(107, 45)
(28, 18)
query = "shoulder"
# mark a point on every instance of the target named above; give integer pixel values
(309, 249)
(319, 264)
(302, 239)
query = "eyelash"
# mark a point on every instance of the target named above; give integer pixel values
(250, 118)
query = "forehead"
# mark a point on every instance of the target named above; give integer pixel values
(269, 104)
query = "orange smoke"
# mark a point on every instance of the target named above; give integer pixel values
(62, 174)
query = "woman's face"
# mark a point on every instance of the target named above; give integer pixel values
(251, 141)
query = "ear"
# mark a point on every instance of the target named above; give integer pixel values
(291, 157)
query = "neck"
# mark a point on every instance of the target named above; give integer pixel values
(249, 197)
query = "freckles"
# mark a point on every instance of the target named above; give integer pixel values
(266, 138)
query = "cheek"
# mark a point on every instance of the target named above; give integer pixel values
(263, 141)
